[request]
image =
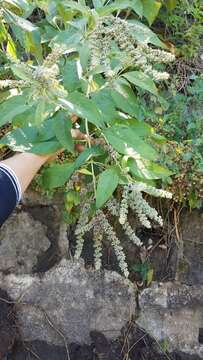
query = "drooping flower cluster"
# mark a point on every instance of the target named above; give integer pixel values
(132, 198)
(114, 35)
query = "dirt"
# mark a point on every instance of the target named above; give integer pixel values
(8, 328)
(134, 344)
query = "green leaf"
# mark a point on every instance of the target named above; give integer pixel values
(144, 35)
(32, 36)
(57, 175)
(107, 183)
(25, 140)
(105, 103)
(141, 80)
(126, 141)
(33, 46)
(170, 4)
(40, 112)
(97, 4)
(71, 80)
(10, 108)
(20, 4)
(47, 147)
(62, 128)
(151, 9)
(24, 24)
(21, 72)
(136, 5)
(125, 103)
(150, 275)
(141, 129)
(84, 53)
(79, 104)
(85, 10)
(11, 48)
(86, 154)
(70, 37)
(147, 170)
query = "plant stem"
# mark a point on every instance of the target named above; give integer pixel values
(92, 166)
(90, 145)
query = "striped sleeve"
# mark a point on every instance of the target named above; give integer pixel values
(10, 192)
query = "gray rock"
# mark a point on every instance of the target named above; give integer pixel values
(34, 198)
(72, 301)
(190, 269)
(173, 312)
(22, 240)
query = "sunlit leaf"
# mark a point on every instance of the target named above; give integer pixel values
(151, 9)
(141, 80)
(144, 35)
(126, 141)
(80, 105)
(107, 183)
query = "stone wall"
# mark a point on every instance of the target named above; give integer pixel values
(58, 300)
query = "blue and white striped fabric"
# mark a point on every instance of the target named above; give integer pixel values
(10, 192)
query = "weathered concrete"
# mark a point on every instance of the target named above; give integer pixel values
(75, 300)
(173, 312)
(190, 269)
(22, 240)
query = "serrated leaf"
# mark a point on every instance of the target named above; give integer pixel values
(11, 107)
(62, 128)
(141, 80)
(79, 104)
(107, 183)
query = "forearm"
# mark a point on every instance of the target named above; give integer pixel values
(25, 166)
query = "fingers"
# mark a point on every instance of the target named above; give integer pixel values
(74, 118)
(78, 135)
(79, 148)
